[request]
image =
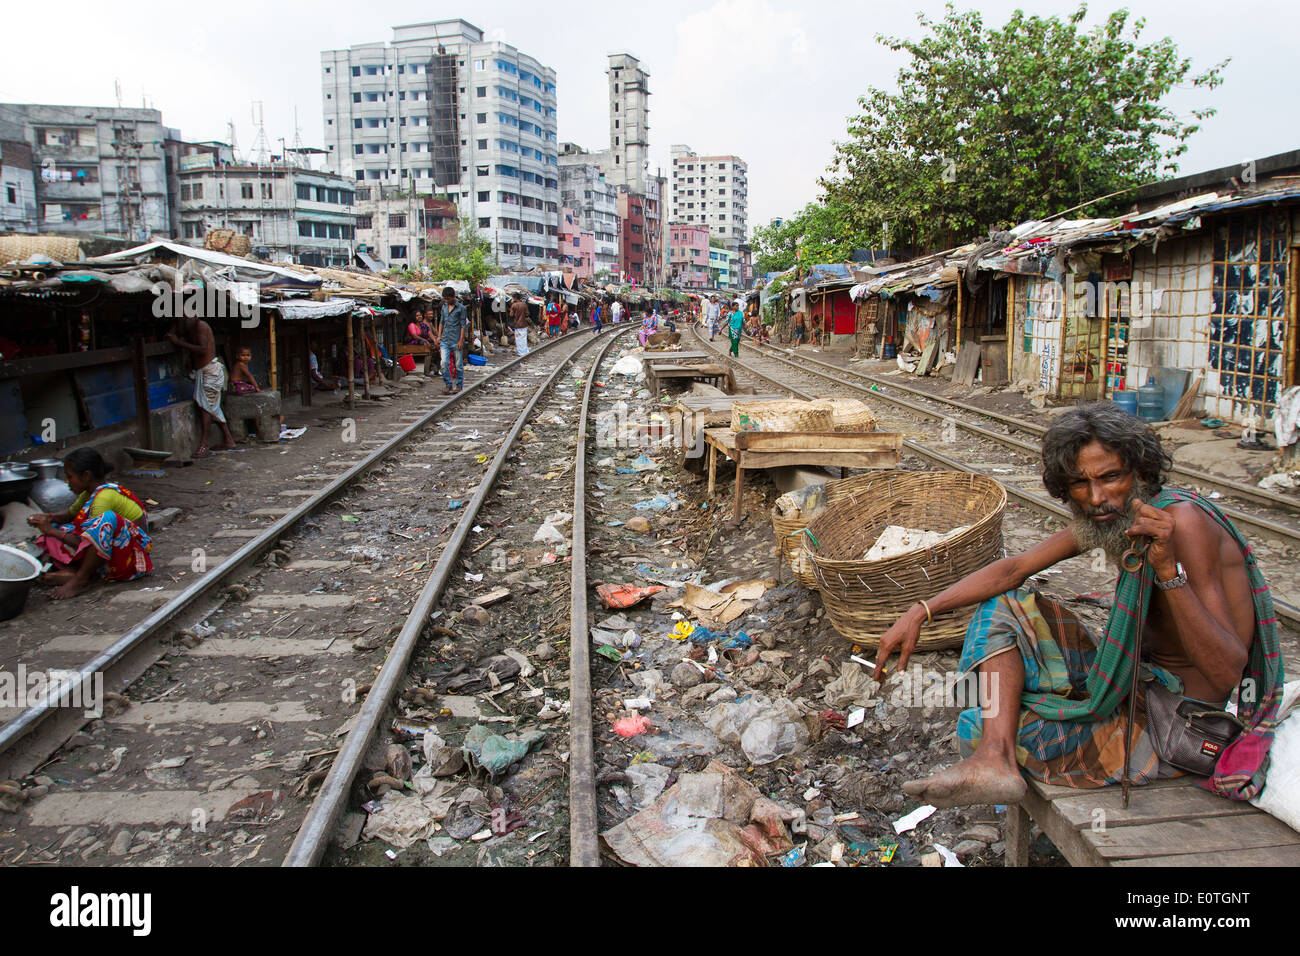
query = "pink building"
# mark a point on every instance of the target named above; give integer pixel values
(688, 255)
(577, 248)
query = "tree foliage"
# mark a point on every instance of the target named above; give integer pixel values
(468, 257)
(995, 126)
(820, 232)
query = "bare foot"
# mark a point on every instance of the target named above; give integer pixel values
(71, 589)
(202, 452)
(226, 447)
(972, 781)
(54, 578)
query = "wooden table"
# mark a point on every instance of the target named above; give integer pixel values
(1167, 823)
(693, 413)
(659, 373)
(758, 449)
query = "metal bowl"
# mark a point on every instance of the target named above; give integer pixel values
(18, 571)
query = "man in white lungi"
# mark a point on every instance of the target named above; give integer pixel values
(209, 379)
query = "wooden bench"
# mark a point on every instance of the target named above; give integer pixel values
(406, 349)
(1167, 823)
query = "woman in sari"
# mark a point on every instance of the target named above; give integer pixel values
(101, 535)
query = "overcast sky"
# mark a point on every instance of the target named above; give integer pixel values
(771, 81)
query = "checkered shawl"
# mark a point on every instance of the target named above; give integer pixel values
(1240, 771)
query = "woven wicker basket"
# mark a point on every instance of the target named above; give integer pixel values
(788, 529)
(850, 414)
(782, 416)
(791, 543)
(864, 598)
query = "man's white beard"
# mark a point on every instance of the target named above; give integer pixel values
(1108, 535)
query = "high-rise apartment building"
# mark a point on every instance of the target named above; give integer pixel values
(629, 126)
(713, 190)
(440, 111)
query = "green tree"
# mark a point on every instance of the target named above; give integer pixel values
(468, 257)
(820, 232)
(994, 126)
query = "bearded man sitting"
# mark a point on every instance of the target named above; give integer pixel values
(1057, 706)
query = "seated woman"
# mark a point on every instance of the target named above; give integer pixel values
(102, 535)
(323, 383)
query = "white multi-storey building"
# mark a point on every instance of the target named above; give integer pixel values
(442, 112)
(713, 190)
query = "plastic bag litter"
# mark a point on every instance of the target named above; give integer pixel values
(765, 730)
(549, 534)
(628, 365)
(619, 596)
(632, 726)
(493, 752)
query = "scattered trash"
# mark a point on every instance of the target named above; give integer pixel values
(453, 504)
(796, 857)
(289, 434)
(657, 503)
(493, 752)
(724, 606)
(909, 822)
(764, 729)
(633, 726)
(949, 858)
(713, 818)
(349, 518)
(628, 365)
(620, 596)
(548, 534)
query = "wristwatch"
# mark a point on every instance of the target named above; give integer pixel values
(1177, 581)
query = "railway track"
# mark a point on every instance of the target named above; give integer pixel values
(1012, 461)
(262, 663)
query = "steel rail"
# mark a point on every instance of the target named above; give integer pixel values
(584, 846)
(1244, 518)
(22, 727)
(318, 827)
(1240, 489)
(1285, 610)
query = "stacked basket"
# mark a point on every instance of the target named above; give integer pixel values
(782, 416)
(864, 598)
(850, 414)
(788, 524)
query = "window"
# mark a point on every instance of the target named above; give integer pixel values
(480, 90)
(485, 222)
(397, 220)
(356, 124)
(482, 171)
(268, 190)
(356, 97)
(616, 141)
(356, 71)
(482, 144)
(365, 222)
(480, 65)
(615, 124)
(245, 190)
(485, 197)
(304, 228)
(480, 117)
(397, 252)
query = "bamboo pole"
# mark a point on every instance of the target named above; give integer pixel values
(272, 374)
(351, 386)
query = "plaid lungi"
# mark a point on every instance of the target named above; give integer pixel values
(209, 383)
(1057, 650)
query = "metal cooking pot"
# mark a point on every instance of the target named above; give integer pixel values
(18, 571)
(51, 493)
(16, 480)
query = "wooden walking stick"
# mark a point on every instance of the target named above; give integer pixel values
(1134, 561)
